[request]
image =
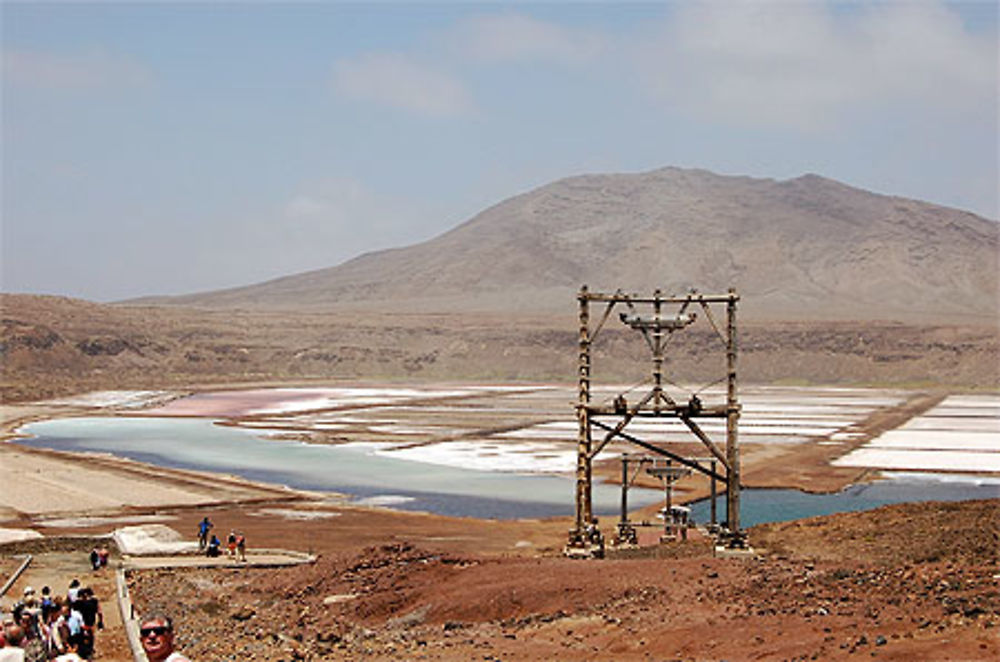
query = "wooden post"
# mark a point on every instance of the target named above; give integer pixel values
(732, 418)
(657, 355)
(584, 512)
(715, 518)
(668, 519)
(624, 519)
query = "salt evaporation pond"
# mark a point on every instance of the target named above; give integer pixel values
(372, 477)
(353, 469)
(759, 506)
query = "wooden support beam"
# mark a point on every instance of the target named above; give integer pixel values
(698, 432)
(707, 411)
(671, 299)
(622, 423)
(664, 452)
(604, 318)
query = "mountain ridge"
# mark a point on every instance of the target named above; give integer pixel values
(802, 248)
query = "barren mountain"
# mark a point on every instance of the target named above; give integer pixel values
(826, 274)
(803, 249)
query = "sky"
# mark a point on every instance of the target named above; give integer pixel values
(183, 147)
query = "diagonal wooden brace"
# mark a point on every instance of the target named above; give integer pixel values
(662, 451)
(629, 415)
(709, 444)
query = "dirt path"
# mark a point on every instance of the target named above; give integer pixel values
(264, 559)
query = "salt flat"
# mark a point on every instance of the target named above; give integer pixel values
(346, 397)
(962, 433)
(524, 428)
(967, 423)
(904, 438)
(17, 535)
(115, 399)
(883, 458)
(533, 428)
(293, 400)
(484, 455)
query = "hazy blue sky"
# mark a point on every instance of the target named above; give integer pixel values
(170, 148)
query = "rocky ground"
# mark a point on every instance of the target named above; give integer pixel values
(916, 581)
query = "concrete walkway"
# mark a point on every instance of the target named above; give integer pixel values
(263, 558)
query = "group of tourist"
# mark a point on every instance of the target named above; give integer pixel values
(99, 557)
(52, 627)
(236, 542)
(61, 628)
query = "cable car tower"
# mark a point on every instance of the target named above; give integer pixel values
(656, 318)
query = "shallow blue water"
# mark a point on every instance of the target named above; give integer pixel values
(202, 445)
(759, 506)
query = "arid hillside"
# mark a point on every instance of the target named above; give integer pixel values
(837, 285)
(804, 249)
(52, 346)
(905, 582)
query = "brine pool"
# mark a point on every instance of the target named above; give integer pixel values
(369, 477)
(760, 506)
(353, 469)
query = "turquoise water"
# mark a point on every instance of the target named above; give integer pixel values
(357, 471)
(759, 506)
(354, 470)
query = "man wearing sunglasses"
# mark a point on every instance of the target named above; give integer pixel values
(157, 635)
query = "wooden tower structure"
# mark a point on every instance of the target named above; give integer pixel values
(655, 317)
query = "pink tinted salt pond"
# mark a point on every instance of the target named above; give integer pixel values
(232, 404)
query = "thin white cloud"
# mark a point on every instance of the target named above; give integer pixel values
(304, 206)
(515, 37)
(801, 65)
(346, 212)
(396, 80)
(331, 202)
(85, 71)
(924, 52)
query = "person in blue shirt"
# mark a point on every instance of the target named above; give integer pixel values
(213, 547)
(203, 528)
